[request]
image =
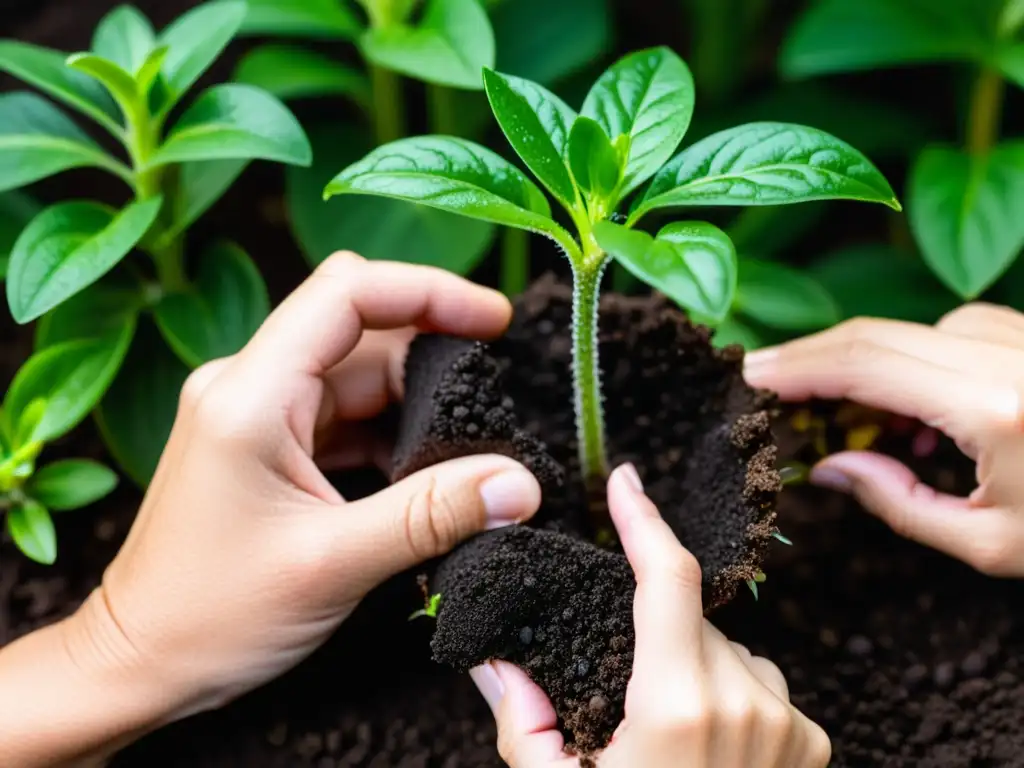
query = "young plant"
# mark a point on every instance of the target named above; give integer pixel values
(36, 410)
(70, 266)
(592, 163)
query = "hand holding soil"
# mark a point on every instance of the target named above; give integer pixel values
(694, 698)
(244, 558)
(962, 377)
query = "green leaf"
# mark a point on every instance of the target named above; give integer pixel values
(196, 39)
(317, 19)
(125, 37)
(200, 184)
(291, 72)
(537, 125)
(531, 37)
(71, 484)
(734, 331)
(47, 71)
(964, 213)
(136, 416)
(450, 46)
(38, 140)
(1010, 61)
(1011, 18)
(105, 307)
(68, 247)
(222, 310)
(16, 211)
(877, 280)
(376, 227)
(783, 298)
(31, 528)
(235, 122)
(849, 35)
(71, 376)
(120, 84)
(454, 175)
(691, 262)
(766, 164)
(648, 96)
(592, 159)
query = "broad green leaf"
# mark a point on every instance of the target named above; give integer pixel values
(235, 122)
(1011, 18)
(120, 84)
(691, 262)
(38, 140)
(16, 211)
(222, 310)
(964, 213)
(450, 46)
(531, 37)
(71, 484)
(376, 227)
(648, 96)
(150, 74)
(106, 307)
(593, 160)
(196, 39)
(783, 298)
(766, 164)
(326, 19)
(454, 175)
(70, 246)
(125, 37)
(878, 280)
(735, 331)
(291, 72)
(28, 422)
(772, 231)
(47, 71)
(848, 35)
(71, 376)
(136, 416)
(1010, 60)
(31, 528)
(199, 185)
(537, 125)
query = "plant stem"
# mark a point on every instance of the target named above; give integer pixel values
(586, 366)
(388, 107)
(443, 116)
(515, 261)
(985, 112)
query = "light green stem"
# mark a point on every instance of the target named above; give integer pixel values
(985, 112)
(586, 366)
(388, 107)
(444, 119)
(515, 261)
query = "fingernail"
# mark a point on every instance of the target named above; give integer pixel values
(489, 685)
(831, 478)
(632, 477)
(509, 496)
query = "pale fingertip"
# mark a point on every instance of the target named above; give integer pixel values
(490, 685)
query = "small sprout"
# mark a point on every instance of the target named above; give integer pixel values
(605, 538)
(432, 606)
(779, 537)
(759, 578)
(753, 587)
(794, 473)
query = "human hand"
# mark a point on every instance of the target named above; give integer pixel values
(695, 699)
(244, 558)
(963, 377)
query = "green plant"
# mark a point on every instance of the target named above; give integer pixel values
(961, 199)
(631, 123)
(443, 43)
(70, 266)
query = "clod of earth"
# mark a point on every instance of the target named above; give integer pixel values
(545, 596)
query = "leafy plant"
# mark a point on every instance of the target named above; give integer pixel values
(70, 266)
(623, 141)
(443, 43)
(961, 200)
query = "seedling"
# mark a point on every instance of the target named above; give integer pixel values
(61, 268)
(593, 163)
(760, 578)
(431, 603)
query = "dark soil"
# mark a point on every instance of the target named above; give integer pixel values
(552, 601)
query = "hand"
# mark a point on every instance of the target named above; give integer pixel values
(244, 558)
(695, 699)
(963, 377)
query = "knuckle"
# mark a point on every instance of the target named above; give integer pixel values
(994, 553)
(429, 519)
(687, 715)
(684, 570)
(968, 315)
(737, 711)
(339, 262)
(197, 383)
(777, 719)
(819, 746)
(507, 746)
(856, 351)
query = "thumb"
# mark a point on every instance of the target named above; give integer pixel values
(428, 513)
(528, 735)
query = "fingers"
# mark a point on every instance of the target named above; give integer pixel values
(985, 322)
(428, 513)
(528, 735)
(667, 610)
(985, 538)
(316, 327)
